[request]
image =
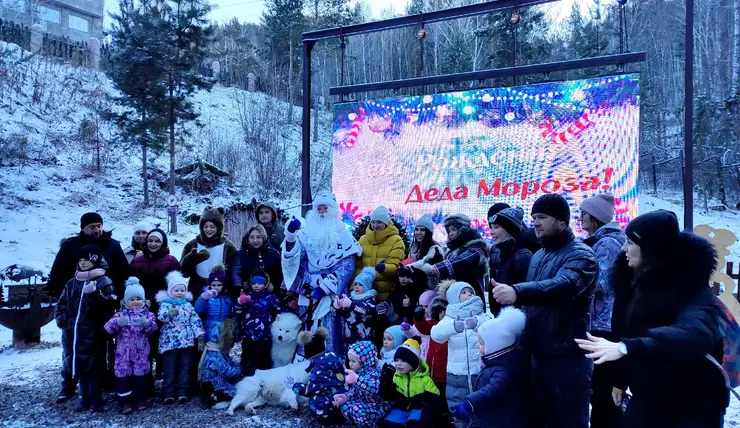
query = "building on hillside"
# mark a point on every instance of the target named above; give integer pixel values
(77, 20)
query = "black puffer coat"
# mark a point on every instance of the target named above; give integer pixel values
(512, 265)
(81, 317)
(467, 261)
(668, 319)
(557, 296)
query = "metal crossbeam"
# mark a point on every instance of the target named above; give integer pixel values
(576, 64)
(422, 18)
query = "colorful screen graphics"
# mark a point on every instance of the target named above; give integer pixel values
(461, 152)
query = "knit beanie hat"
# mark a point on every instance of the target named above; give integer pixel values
(218, 273)
(366, 278)
(313, 343)
(426, 222)
(553, 205)
(133, 289)
(397, 334)
(461, 221)
(497, 208)
(159, 234)
(654, 232)
(175, 278)
(600, 207)
(90, 218)
(510, 219)
(381, 214)
(409, 353)
(426, 297)
(501, 332)
(141, 227)
(90, 252)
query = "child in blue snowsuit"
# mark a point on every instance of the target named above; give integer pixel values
(362, 405)
(255, 313)
(217, 372)
(359, 308)
(326, 377)
(214, 305)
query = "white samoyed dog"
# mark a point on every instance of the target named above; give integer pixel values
(284, 333)
(269, 387)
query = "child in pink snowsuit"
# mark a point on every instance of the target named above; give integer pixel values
(132, 326)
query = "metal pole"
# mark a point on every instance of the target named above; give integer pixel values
(306, 134)
(688, 180)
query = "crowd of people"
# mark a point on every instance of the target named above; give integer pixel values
(531, 328)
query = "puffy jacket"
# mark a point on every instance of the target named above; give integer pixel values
(249, 260)
(466, 261)
(511, 267)
(275, 230)
(364, 406)
(326, 378)
(132, 342)
(668, 320)
(499, 397)
(607, 244)
(413, 388)
(436, 353)
(152, 268)
(557, 296)
(81, 318)
(65, 263)
(182, 330)
(385, 245)
(208, 253)
(213, 312)
(460, 357)
(358, 318)
(256, 316)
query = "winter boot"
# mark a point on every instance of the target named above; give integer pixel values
(64, 396)
(83, 404)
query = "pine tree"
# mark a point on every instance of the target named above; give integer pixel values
(185, 35)
(136, 72)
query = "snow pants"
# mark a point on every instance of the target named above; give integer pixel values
(178, 371)
(133, 391)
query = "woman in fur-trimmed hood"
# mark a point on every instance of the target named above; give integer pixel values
(667, 321)
(208, 249)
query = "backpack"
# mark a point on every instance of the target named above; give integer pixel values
(730, 367)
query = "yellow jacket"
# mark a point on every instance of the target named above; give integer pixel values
(385, 245)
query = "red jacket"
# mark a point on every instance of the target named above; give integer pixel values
(437, 353)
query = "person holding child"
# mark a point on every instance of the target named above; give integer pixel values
(132, 327)
(84, 306)
(255, 313)
(358, 309)
(181, 328)
(500, 391)
(464, 313)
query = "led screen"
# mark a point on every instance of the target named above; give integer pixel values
(461, 152)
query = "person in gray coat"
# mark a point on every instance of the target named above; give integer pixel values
(606, 238)
(556, 297)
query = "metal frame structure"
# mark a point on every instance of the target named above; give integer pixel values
(310, 39)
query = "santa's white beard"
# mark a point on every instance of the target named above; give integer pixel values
(322, 231)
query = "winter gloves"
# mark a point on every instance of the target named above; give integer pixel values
(243, 298)
(89, 287)
(380, 267)
(342, 303)
(294, 225)
(123, 320)
(405, 326)
(141, 321)
(340, 399)
(469, 323)
(463, 411)
(208, 294)
(351, 377)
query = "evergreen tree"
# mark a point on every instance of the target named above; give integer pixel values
(136, 72)
(185, 35)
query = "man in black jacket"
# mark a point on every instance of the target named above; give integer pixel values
(65, 263)
(556, 298)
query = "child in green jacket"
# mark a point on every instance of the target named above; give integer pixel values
(417, 401)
